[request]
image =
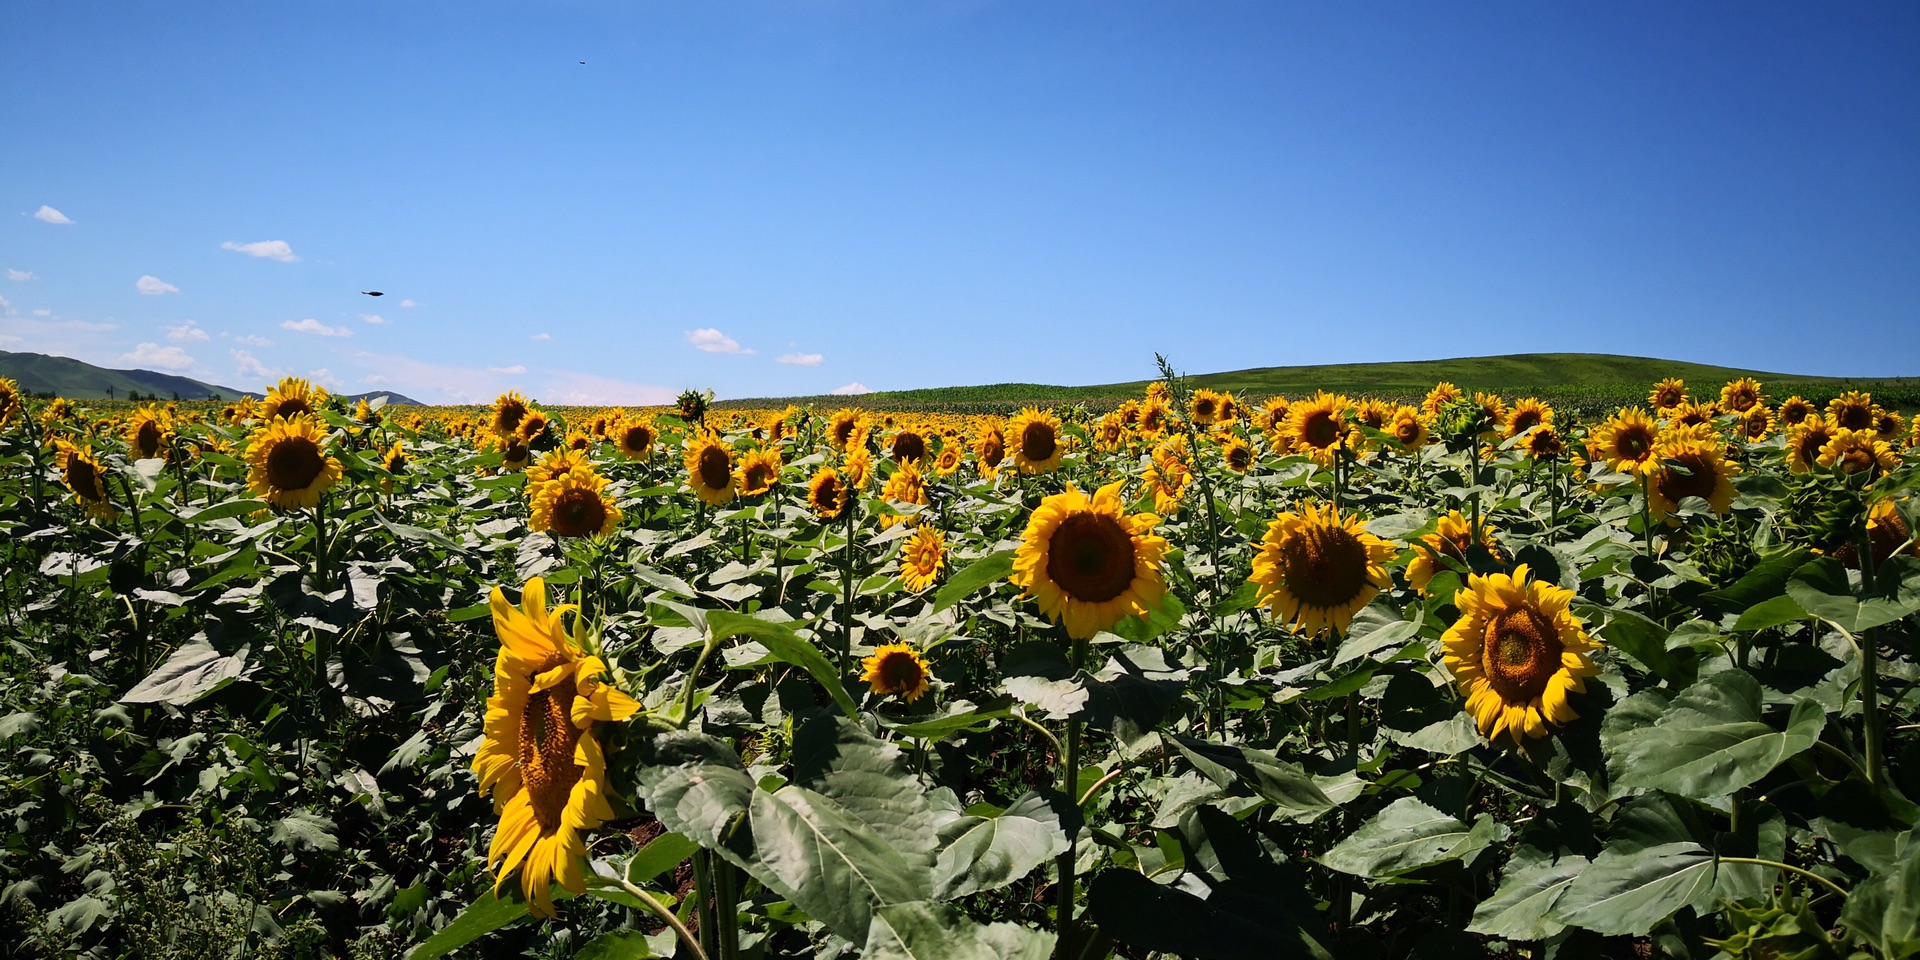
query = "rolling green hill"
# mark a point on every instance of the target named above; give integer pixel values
(1578, 379)
(79, 380)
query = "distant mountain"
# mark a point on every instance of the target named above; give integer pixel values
(79, 380)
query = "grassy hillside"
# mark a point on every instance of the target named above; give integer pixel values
(78, 380)
(1577, 379)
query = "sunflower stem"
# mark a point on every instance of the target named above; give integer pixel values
(1869, 664)
(846, 602)
(320, 570)
(703, 903)
(1069, 785)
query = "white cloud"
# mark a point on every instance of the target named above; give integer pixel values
(713, 341)
(249, 365)
(48, 214)
(802, 359)
(514, 370)
(9, 340)
(373, 318)
(20, 276)
(188, 332)
(310, 325)
(374, 378)
(409, 302)
(851, 389)
(153, 286)
(5, 307)
(252, 340)
(325, 378)
(156, 356)
(264, 249)
(541, 336)
(43, 312)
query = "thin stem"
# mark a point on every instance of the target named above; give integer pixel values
(658, 909)
(1790, 868)
(1058, 748)
(693, 679)
(703, 901)
(1069, 780)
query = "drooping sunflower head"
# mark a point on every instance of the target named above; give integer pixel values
(1437, 399)
(1704, 471)
(1804, 442)
(570, 504)
(1373, 413)
(291, 397)
(1795, 409)
(710, 469)
(10, 402)
(1544, 442)
(1888, 533)
(508, 410)
(514, 454)
(1740, 394)
(895, 669)
(1450, 539)
(989, 448)
(83, 476)
(1667, 394)
(1852, 410)
(1858, 453)
(365, 413)
(288, 464)
(1037, 445)
(533, 426)
(1626, 440)
(1890, 426)
(1087, 562)
(1518, 654)
(1272, 416)
(1408, 429)
(759, 471)
(1527, 413)
(922, 558)
(1318, 426)
(908, 445)
(827, 493)
(1236, 454)
(846, 428)
(396, 459)
(148, 430)
(1316, 569)
(1204, 407)
(635, 437)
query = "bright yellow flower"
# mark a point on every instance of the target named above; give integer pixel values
(922, 558)
(895, 669)
(1451, 539)
(571, 504)
(1037, 445)
(1317, 569)
(1088, 563)
(1518, 654)
(710, 469)
(288, 465)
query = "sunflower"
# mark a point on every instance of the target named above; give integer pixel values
(905, 485)
(1795, 409)
(1890, 426)
(147, 433)
(1852, 410)
(1528, 413)
(539, 757)
(948, 462)
(1236, 455)
(1167, 480)
(1858, 451)
(1804, 441)
(1517, 652)
(1155, 418)
(635, 438)
(1691, 414)
(908, 444)
(10, 402)
(1037, 447)
(1408, 429)
(827, 494)
(989, 449)
(1701, 452)
(508, 410)
(288, 465)
(1373, 413)
(1158, 390)
(1756, 423)
(1452, 537)
(365, 413)
(555, 463)
(895, 669)
(1272, 417)
(758, 472)
(534, 425)
(1494, 408)
(846, 428)
(1667, 394)
(1087, 562)
(1544, 443)
(82, 475)
(1888, 534)
(1738, 395)
(1204, 407)
(1318, 426)
(291, 397)
(571, 504)
(1625, 440)
(710, 469)
(1316, 569)
(514, 455)
(1111, 433)
(1437, 399)
(775, 427)
(396, 459)
(922, 558)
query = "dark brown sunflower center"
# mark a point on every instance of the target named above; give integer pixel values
(578, 513)
(1406, 431)
(1633, 443)
(715, 468)
(908, 445)
(1699, 482)
(1522, 652)
(1854, 416)
(294, 463)
(1320, 429)
(1668, 397)
(291, 407)
(85, 480)
(1741, 399)
(1037, 442)
(148, 439)
(516, 451)
(547, 741)
(1525, 420)
(758, 476)
(1325, 565)
(1204, 407)
(900, 672)
(1240, 457)
(842, 432)
(1793, 413)
(507, 418)
(993, 451)
(1858, 457)
(1090, 556)
(827, 494)
(638, 438)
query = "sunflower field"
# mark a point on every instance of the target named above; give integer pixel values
(1200, 676)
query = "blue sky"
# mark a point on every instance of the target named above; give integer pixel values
(782, 198)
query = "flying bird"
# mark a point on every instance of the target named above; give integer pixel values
(373, 293)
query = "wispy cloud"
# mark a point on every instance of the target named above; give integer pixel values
(310, 325)
(851, 389)
(373, 318)
(264, 249)
(253, 340)
(325, 378)
(153, 286)
(801, 359)
(5, 307)
(409, 302)
(188, 332)
(20, 276)
(248, 365)
(713, 341)
(48, 214)
(440, 383)
(158, 357)
(541, 336)
(516, 369)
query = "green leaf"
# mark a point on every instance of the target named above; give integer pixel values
(304, 830)
(931, 931)
(1769, 613)
(1521, 909)
(483, 916)
(787, 646)
(661, 854)
(1373, 630)
(663, 581)
(870, 778)
(1161, 619)
(825, 861)
(78, 915)
(1761, 583)
(1884, 910)
(1710, 741)
(617, 945)
(221, 511)
(1635, 635)
(1406, 836)
(1626, 890)
(1823, 591)
(695, 785)
(969, 717)
(987, 853)
(991, 568)
(1287, 785)
(192, 671)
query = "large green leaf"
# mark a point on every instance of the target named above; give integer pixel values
(1522, 908)
(695, 785)
(1407, 836)
(1149, 916)
(988, 852)
(828, 863)
(1290, 788)
(1710, 740)
(1823, 591)
(786, 646)
(930, 931)
(193, 670)
(991, 568)
(483, 916)
(1633, 634)
(1628, 889)
(1885, 909)
(870, 779)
